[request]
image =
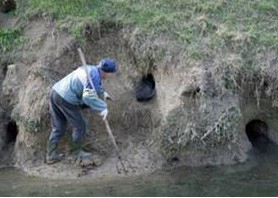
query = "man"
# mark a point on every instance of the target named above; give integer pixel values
(67, 98)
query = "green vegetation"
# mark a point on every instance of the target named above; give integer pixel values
(8, 39)
(62, 9)
(200, 26)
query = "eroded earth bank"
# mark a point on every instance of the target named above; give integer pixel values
(199, 113)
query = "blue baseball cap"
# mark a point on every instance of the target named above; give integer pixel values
(108, 65)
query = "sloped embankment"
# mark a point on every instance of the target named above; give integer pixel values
(197, 117)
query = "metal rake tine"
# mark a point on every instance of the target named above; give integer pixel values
(121, 168)
(123, 165)
(118, 169)
(130, 166)
(125, 162)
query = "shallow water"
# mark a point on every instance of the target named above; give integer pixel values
(256, 177)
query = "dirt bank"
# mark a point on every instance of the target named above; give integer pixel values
(197, 117)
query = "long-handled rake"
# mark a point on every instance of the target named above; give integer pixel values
(108, 129)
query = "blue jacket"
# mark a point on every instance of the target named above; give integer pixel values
(71, 88)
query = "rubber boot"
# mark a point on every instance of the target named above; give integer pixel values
(78, 153)
(52, 155)
(83, 155)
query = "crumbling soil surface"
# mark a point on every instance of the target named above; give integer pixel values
(6, 21)
(2, 19)
(192, 120)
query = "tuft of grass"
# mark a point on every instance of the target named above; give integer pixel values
(61, 10)
(9, 38)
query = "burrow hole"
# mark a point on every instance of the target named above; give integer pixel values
(11, 132)
(7, 5)
(145, 89)
(257, 133)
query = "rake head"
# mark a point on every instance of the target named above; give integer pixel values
(123, 165)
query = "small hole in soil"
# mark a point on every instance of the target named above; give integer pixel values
(7, 5)
(11, 132)
(5, 69)
(145, 89)
(192, 92)
(257, 133)
(175, 159)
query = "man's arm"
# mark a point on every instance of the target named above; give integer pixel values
(91, 99)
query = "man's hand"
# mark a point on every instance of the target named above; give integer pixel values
(106, 96)
(104, 114)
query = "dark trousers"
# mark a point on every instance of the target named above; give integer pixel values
(62, 112)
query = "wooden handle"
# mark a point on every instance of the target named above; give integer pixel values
(82, 58)
(112, 137)
(81, 55)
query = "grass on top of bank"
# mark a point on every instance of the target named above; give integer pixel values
(192, 23)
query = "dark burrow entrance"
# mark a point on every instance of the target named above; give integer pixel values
(257, 133)
(7, 5)
(11, 133)
(145, 89)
